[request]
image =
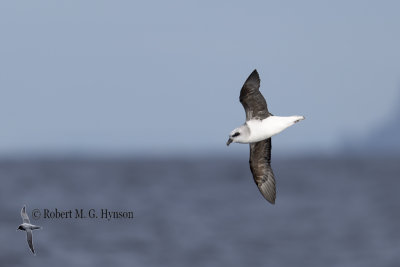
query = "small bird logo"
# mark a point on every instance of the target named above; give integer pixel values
(28, 228)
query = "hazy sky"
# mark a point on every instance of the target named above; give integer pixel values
(128, 76)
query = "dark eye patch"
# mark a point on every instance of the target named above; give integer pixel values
(235, 134)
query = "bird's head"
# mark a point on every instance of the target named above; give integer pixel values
(239, 135)
(20, 228)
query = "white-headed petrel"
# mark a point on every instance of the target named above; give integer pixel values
(28, 227)
(260, 125)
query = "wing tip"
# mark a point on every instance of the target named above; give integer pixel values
(272, 201)
(251, 84)
(254, 75)
(268, 191)
(270, 198)
(269, 195)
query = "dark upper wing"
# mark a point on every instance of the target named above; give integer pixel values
(29, 239)
(260, 166)
(252, 100)
(24, 215)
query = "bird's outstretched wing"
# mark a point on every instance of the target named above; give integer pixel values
(252, 100)
(29, 239)
(24, 215)
(260, 166)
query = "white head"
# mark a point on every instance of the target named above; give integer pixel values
(239, 135)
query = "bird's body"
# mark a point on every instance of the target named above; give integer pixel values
(263, 129)
(28, 228)
(257, 131)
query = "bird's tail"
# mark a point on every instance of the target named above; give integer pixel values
(298, 118)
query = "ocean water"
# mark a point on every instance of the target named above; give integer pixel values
(203, 212)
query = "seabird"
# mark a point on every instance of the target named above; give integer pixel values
(28, 227)
(257, 131)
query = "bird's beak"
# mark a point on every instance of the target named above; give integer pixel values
(229, 141)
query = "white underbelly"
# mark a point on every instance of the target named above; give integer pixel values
(263, 129)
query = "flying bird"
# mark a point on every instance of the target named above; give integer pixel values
(28, 227)
(257, 131)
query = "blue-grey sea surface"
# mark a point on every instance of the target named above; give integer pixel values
(205, 211)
